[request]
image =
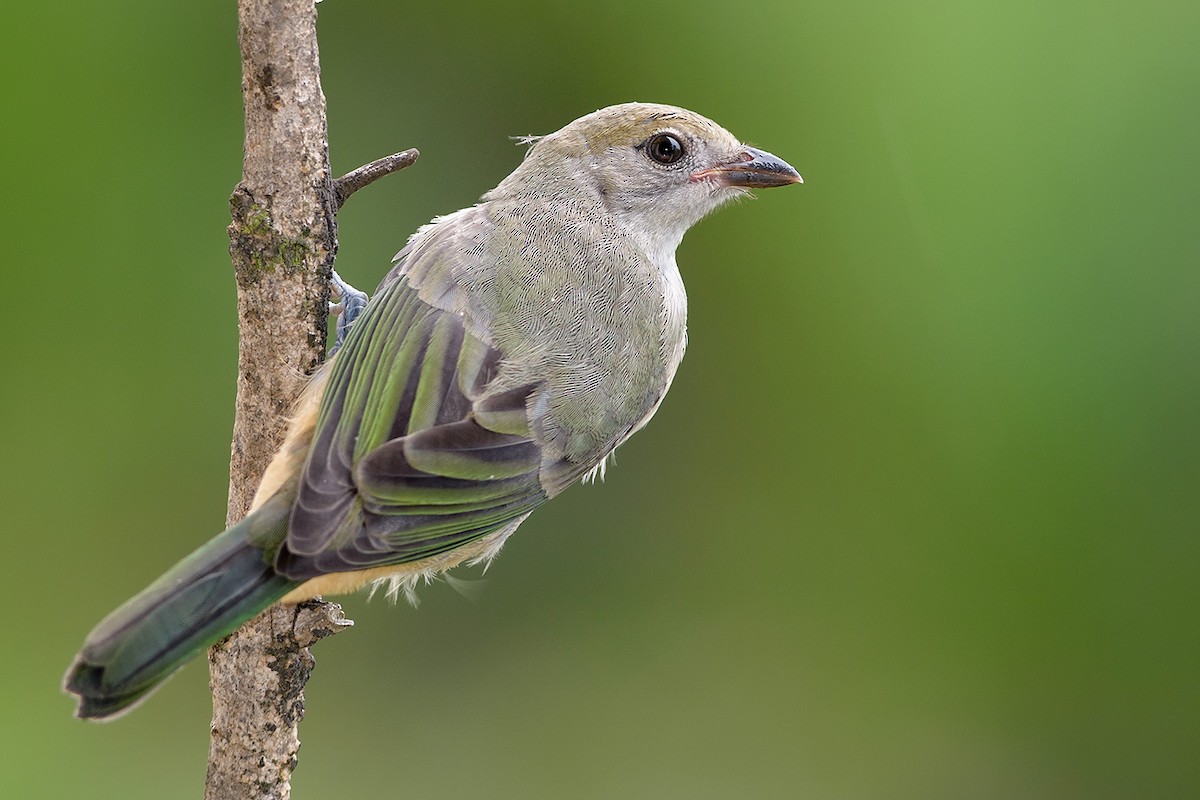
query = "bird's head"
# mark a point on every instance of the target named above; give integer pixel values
(653, 166)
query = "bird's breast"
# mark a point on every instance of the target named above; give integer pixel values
(576, 307)
(604, 343)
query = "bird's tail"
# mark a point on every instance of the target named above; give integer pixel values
(199, 600)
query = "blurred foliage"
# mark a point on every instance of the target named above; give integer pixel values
(919, 518)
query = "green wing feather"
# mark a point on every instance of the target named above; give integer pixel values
(413, 456)
(415, 453)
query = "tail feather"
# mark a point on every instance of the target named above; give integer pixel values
(197, 602)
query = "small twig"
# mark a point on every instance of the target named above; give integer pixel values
(352, 181)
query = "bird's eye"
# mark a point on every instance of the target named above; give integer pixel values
(664, 148)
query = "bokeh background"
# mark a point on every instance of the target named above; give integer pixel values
(918, 520)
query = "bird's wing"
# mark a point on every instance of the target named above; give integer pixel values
(411, 456)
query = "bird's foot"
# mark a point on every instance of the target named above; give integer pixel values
(348, 304)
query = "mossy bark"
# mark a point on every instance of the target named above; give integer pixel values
(283, 237)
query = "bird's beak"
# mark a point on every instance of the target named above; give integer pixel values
(751, 168)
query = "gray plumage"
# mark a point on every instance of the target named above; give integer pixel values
(512, 348)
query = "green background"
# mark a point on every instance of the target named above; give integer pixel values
(918, 520)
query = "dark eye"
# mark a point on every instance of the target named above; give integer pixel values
(664, 148)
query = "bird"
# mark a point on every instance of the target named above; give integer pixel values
(511, 348)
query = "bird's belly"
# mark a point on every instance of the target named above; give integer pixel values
(483, 549)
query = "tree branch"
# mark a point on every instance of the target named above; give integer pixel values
(283, 238)
(258, 677)
(351, 182)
